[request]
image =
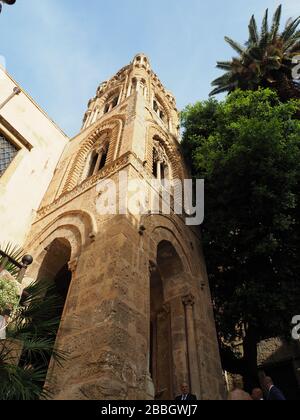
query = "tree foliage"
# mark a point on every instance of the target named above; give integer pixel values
(248, 151)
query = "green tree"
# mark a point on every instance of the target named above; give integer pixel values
(34, 326)
(247, 149)
(266, 60)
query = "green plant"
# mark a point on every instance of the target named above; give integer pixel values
(32, 330)
(9, 295)
(266, 60)
(247, 148)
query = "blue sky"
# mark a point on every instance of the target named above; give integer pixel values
(60, 50)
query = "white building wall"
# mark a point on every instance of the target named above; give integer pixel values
(24, 183)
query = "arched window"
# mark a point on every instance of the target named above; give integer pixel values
(93, 162)
(97, 159)
(133, 86)
(160, 110)
(161, 164)
(111, 102)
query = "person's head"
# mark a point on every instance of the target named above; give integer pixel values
(239, 395)
(185, 389)
(267, 382)
(257, 394)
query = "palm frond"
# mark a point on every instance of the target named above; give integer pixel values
(20, 384)
(225, 79)
(225, 65)
(292, 45)
(235, 45)
(290, 29)
(295, 48)
(276, 23)
(226, 88)
(41, 349)
(253, 31)
(15, 253)
(265, 26)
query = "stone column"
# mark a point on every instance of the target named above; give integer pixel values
(72, 265)
(96, 170)
(164, 362)
(159, 170)
(150, 388)
(189, 302)
(179, 344)
(87, 121)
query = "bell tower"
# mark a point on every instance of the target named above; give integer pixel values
(138, 319)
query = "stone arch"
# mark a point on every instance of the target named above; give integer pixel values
(167, 270)
(173, 277)
(77, 227)
(155, 131)
(55, 257)
(113, 128)
(168, 228)
(164, 105)
(112, 91)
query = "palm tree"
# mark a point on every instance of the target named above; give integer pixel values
(6, 2)
(33, 328)
(266, 60)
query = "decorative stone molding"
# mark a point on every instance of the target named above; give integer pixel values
(156, 135)
(160, 153)
(112, 128)
(109, 170)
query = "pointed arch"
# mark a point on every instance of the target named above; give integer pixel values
(111, 130)
(171, 148)
(78, 227)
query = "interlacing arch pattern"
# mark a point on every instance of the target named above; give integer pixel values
(112, 129)
(172, 150)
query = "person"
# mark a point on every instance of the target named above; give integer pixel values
(185, 394)
(272, 392)
(257, 394)
(3, 324)
(239, 395)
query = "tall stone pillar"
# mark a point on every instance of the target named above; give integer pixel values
(179, 343)
(189, 302)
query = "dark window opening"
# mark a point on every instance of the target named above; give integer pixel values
(162, 168)
(115, 102)
(103, 160)
(155, 169)
(93, 164)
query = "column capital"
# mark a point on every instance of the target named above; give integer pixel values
(72, 265)
(188, 300)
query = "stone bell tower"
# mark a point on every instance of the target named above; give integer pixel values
(138, 317)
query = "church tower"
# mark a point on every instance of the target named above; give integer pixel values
(138, 318)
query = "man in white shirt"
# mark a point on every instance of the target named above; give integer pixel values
(3, 323)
